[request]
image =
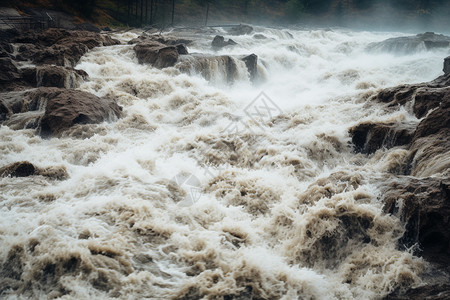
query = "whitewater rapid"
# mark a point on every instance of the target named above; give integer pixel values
(199, 192)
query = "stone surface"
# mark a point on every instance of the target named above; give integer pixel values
(420, 97)
(18, 169)
(219, 42)
(411, 44)
(218, 67)
(241, 29)
(251, 62)
(156, 54)
(51, 111)
(447, 65)
(55, 76)
(9, 70)
(423, 205)
(369, 137)
(58, 46)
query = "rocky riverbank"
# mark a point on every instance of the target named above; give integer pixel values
(419, 191)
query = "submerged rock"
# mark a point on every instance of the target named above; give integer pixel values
(219, 42)
(18, 169)
(411, 44)
(51, 111)
(241, 29)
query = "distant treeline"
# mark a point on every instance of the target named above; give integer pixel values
(167, 12)
(199, 12)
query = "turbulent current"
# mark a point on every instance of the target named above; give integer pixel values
(207, 189)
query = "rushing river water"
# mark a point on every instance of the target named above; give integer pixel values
(206, 189)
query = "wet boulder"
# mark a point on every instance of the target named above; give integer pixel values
(9, 69)
(368, 137)
(251, 62)
(219, 68)
(421, 97)
(411, 44)
(447, 65)
(219, 42)
(165, 40)
(18, 169)
(241, 29)
(56, 76)
(51, 111)
(58, 46)
(423, 205)
(156, 54)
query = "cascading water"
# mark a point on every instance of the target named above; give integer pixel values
(212, 189)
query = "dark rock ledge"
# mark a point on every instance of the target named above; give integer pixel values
(163, 52)
(419, 195)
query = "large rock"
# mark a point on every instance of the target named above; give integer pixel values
(422, 97)
(219, 42)
(411, 44)
(9, 71)
(241, 29)
(53, 110)
(58, 46)
(156, 54)
(423, 205)
(222, 68)
(369, 137)
(447, 65)
(18, 169)
(55, 76)
(251, 62)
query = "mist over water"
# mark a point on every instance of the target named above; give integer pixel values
(200, 192)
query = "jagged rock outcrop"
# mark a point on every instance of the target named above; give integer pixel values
(422, 199)
(58, 46)
(156, 54)
(424, 207)
(411, 44)
(55, 76)
(447, 65)
(219, 42)
(158, 51)
(51, 111)
(369, 137)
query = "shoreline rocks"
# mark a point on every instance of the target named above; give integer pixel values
(51, 111)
